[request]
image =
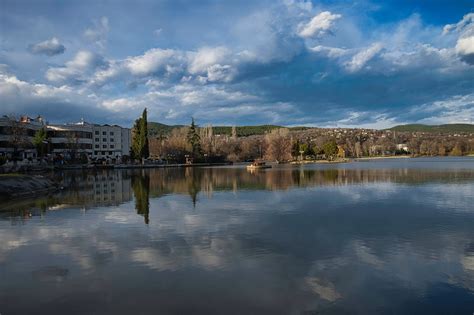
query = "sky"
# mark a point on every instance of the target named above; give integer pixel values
(323, 63)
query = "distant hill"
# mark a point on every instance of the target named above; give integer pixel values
(155, 128)
(434, 128)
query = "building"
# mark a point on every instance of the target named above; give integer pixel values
(16, 136)
(71, 141)
(403, 147)
(111, 141)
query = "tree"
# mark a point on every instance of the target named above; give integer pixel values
(330, 150)
(39, 141)
(140, 147)
(194, 140)
(279, 144)
(457, 150)
(141, 190)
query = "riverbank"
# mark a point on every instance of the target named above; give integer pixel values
(369, 158)
(337, 161)
(35, 169)
(13, 186)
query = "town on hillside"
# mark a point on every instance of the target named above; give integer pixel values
(34, 141)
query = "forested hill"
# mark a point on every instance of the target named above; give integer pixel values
(155, 128)
(448, 128)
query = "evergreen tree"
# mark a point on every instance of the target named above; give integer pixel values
(144, 132)
(140, 147)
(194, 140)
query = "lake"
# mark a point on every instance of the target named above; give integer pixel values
(392, 236)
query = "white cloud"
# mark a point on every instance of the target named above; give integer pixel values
(224, 73)
(48, 47)
(465, 43)
(206, 57)
(331, 52)
(466, 22)
(319, 25)
(456, 109)
(22, 97)
(465, 49)
(360, 59)
(156, 60)
(98, 32)
(77, 69)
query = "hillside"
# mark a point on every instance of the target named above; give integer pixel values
(447, 128)
(155, 128)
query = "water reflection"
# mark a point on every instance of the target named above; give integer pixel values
(141, 190)
(283, 241)
(112, 188)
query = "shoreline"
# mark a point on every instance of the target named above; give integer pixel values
(383, 157)
(16, 186)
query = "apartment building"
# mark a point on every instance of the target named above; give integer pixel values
(68, 140)
(111, 141)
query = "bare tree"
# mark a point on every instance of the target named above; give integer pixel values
(279, 144)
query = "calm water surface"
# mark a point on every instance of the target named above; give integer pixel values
(378, 237)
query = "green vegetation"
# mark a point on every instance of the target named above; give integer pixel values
(194, 140)
(448, 128)
(155, 129)
(141, 191)
(39, 141)
(330, 150)
(140, 148)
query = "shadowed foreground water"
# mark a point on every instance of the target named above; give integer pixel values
(379, 237)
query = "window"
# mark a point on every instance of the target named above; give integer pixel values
(97, 132)
(111, 146)
(111, 139)
(104, 139)
(96, 146)
(104, 133)
(104, 146)
(97, 139)
(111, 133)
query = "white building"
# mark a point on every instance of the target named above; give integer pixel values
(72, 140)
(403, 147)
(111, 141)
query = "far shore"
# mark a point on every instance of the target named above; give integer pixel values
(383, 157)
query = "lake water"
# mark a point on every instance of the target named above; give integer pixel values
(375, 237)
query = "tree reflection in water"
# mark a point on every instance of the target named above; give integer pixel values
(141, 191)
(112, 188)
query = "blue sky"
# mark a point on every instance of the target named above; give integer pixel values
(316, 63)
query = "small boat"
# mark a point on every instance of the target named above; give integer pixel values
(258, 165)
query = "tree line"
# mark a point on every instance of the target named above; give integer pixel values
(204, 144)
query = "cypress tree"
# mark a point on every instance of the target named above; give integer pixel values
(194, 140)
(140, 137)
